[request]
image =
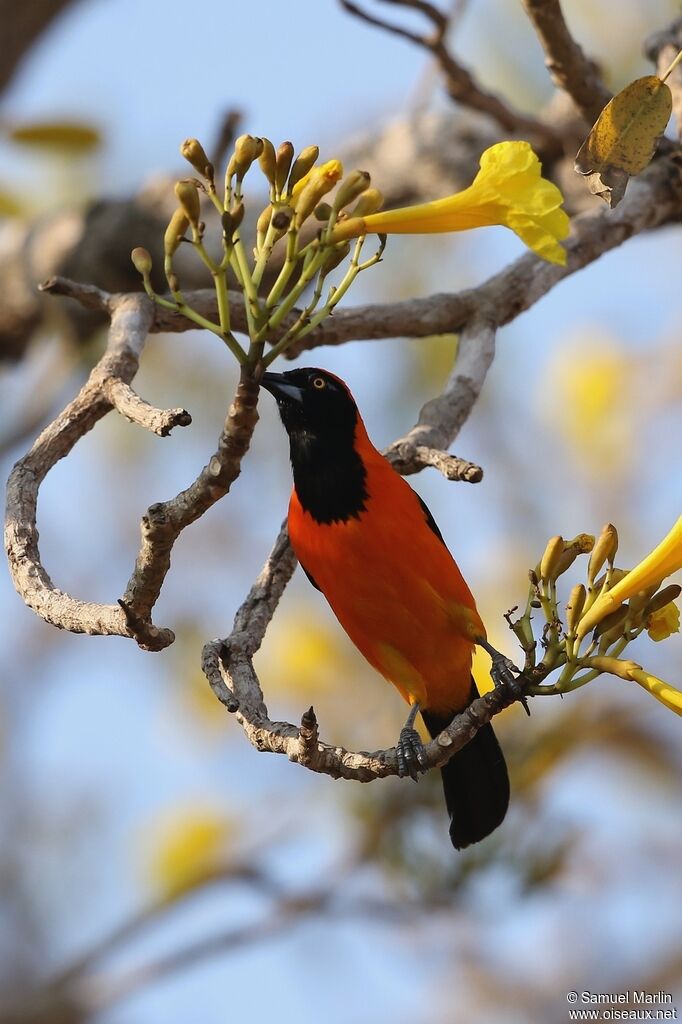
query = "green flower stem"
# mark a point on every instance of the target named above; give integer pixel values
(307, 275)
(170, 278)
(264, 253)
(292, 258)
(253, 309)
(295, 330)
(208, 325)
(213, 196)
(205, 258)
(539, 690)
(228, 337)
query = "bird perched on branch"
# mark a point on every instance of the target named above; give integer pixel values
(369, 543)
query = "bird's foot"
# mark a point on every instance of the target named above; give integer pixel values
(410, 749)
(410, 752)
(502, 674)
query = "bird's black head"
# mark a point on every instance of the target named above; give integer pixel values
(320, 417)
(313, 402)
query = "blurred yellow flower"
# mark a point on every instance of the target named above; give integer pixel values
(305, 653)
(508, 190)
(662, 623)
(587, 396)
(663, 561)
(662, 691)
(185, 848)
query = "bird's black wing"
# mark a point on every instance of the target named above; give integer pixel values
(431, 522)
(312, 578)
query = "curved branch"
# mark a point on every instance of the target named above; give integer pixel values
(662, 48)
(228, 665)
(131, 318)
(653, 199)
(441, 418)
(568, 66)
(129, 404)
(165, 520)
(459, 83)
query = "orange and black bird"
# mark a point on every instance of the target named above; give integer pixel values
(369, 543)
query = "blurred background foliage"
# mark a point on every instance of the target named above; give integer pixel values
(139, 829)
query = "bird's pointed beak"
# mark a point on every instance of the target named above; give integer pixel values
(281, 387)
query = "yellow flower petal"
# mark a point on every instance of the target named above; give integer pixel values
(663, 561)
(662, 623)
(662, 691)
(185, 848)
(508, 190)
(331, 171)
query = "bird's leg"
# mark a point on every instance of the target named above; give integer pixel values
(409, 748)
(502, 673)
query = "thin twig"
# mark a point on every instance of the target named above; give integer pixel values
(459, 83)
(568, 66)
(662, 48)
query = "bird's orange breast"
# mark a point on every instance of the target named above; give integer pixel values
(395, 588)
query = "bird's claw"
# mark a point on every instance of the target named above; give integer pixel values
(502, 674)
(410, 753)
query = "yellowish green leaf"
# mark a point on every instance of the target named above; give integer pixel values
(72, 137)
(9, 204)
(623, 140)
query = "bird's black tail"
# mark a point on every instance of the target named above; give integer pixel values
(475, 782)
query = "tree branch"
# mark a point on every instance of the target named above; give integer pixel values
(228, 665)
(568, 66)
(654, 199)
(662, 48)
(459, 83)
(22, 24)
(130, 322)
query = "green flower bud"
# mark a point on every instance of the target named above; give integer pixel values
(246, 150)
(228, 224)
(574, 606)
(370, 201)
(237, 212)
(580, 545)
(175, 232)
(263, 222)
(604, 549)
(355, 184)
(639, 601)
(550, 560)
(188, 195)
(268, 160)
(337, 255)
(661, 599)
(322, 212)
(302, 164)
(610, 623)
(285, 154)
(321, 181)
(142, 261)
(193, 152)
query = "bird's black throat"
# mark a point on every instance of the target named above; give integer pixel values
(329, 476)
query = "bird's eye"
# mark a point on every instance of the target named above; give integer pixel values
(319, 383)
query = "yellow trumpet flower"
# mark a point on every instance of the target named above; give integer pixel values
(509, 190)
(664, 622)
(667, 694)
(663, 561)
